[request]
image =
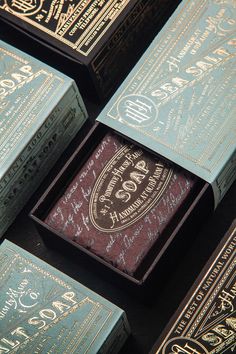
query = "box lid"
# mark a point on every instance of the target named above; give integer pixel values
(29, 92)
(43, 310)
(179, 100)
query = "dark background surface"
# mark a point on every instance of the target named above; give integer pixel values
(148, 309)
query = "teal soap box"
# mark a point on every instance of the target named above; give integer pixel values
(179, 100)
(41, 111)
(44, 311)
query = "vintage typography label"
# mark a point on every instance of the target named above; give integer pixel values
(24, 85)
(120, 202)
(180, 98)
(206, 323)
(42, 310)
(41, 110)
(130, 184)
(78, 24)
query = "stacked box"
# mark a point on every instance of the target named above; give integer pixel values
(43, 310)
(41, 111)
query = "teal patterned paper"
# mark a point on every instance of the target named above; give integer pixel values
(44, 311)
(180, 98)
(40, 112)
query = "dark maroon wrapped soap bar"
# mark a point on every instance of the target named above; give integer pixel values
(120, 202)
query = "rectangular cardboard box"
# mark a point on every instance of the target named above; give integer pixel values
(41, 111)
(179, 100)
(178, 103)
(43, 310)
(205, 321)
(89, 40)
(192, 211)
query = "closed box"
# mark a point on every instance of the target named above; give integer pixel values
(178, 101)
(174, 107)
(43, 310)
(205, 321)
(41, 111)
(89, 40)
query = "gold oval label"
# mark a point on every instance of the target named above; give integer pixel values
(129, 185)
